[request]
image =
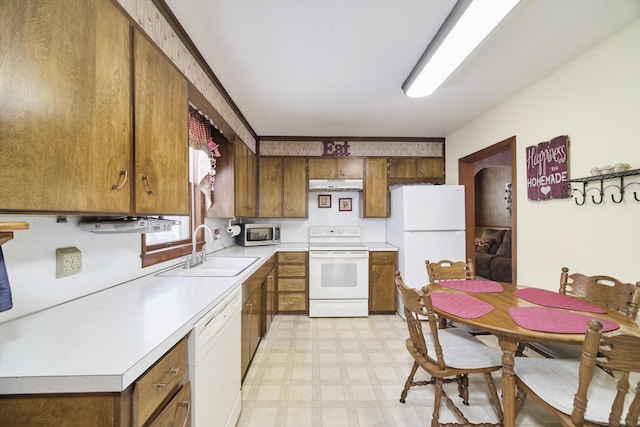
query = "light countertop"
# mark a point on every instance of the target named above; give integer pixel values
(103, 342)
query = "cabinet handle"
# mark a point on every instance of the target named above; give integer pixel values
(421, 171)
(186, 404)
(173, 371)
(287, 208)
(147, 182)
(123, 179)
(251, 309)
(377, 271)
(290, 286)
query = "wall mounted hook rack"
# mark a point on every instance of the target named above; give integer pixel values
(580, 195)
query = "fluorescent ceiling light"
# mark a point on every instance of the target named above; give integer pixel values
(464, 29)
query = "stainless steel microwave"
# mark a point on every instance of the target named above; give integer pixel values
(258, 234)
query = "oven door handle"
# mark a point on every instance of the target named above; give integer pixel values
(338, 254)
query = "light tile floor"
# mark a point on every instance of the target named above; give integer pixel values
(349, 372)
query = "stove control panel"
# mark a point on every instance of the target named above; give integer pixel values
(327, 231)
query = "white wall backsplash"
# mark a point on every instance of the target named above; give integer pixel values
(297, 230)
(107, 260)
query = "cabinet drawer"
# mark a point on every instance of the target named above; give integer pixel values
(293, 301)
(292, 258)
(178, 410)
(159, 382)
(291, 285)
(382, 257)
(292, 271)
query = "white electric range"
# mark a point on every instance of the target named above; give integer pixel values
(338, 272)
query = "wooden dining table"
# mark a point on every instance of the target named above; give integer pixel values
(510, 335)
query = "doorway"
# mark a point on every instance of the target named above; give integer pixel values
(468, 167)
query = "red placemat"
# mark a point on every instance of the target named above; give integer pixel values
(557, 300)
(464, 306)
(546, 319)
(472, 285)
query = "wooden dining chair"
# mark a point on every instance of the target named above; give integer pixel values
(577, 393)
(452, 270)
(603, 290)
(447, 355)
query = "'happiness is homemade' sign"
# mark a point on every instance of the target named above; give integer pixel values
(547, 169)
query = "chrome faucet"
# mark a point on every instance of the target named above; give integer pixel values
(197, 258)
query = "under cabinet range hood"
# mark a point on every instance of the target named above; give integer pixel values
(335, 185)
(128, 225)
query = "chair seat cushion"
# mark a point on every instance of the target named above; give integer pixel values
(461, 350)
(557, 350)
(556, 381)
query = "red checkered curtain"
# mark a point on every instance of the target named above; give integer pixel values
(203, 152)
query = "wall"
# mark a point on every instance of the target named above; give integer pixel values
(107, 260)
(297, 230)
(595, 100)
(491, 206)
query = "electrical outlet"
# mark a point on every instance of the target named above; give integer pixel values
(68, 261)
(216, 234)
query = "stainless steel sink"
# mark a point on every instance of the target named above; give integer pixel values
(216, 266)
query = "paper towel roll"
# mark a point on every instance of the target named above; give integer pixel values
(234, 230)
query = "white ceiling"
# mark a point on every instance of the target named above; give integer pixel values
(335, 67)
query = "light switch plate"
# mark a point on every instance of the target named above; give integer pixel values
(68, 261)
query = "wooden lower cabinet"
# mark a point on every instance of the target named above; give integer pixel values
(292, 282)
(382, 289)
(271, 294)
(257, 312)
(178, 410)
(158, 395)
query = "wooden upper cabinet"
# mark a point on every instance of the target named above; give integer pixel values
(161, 133)
(270, 184)
(245, 180)
(294, 188)
(342, 168)
(282, 187)
(65, 126)
(375, 198)
(416, 169)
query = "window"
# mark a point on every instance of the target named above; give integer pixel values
(203, 154)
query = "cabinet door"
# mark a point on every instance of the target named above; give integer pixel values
(241, 153)
(382, 289)
(376, 189)
(161, 133)
(322, 168)
(252, 183)
(271, 300)
(350, 168)
(402, 168)
(295, 188)
(65, 128)
(177, 412)
(430, 167)
(270, 184)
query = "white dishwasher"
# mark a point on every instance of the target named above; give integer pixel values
(214, 364)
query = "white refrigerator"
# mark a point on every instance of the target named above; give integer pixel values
(427, 222)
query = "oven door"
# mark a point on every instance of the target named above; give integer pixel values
(338, 274)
